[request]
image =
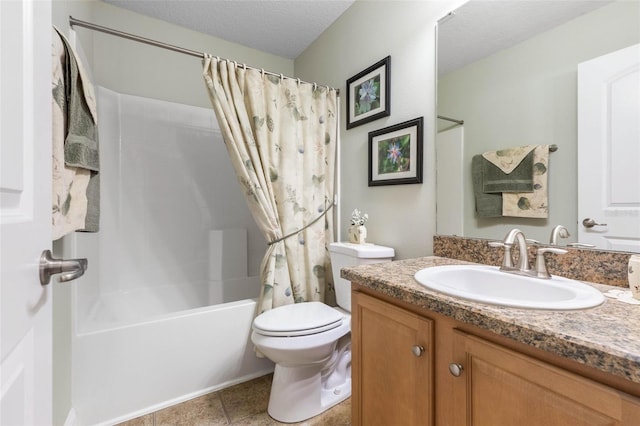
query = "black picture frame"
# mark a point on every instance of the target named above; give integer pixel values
(395, 154)
(374, 82)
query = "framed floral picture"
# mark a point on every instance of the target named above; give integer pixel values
(368, 94)
(395, 154)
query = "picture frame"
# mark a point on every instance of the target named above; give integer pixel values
(395, 154)
(369, 94)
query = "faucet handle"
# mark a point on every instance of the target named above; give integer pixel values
(555, 250)
(541, 264)
(507, 260)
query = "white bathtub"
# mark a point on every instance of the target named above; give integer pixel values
(143, 304)
(135, 364)
(164, 312)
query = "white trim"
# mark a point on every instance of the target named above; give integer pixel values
(336, 184)
(72, 418)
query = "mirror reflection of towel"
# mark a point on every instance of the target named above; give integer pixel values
(519, 179)
(536, 204)
(487, 205)
(508, 159)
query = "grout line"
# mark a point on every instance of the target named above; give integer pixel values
(224, 408)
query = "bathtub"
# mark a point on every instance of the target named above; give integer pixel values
(132, 366)
(164, 312)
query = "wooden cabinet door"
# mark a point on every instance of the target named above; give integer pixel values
(502, 387)
(392, 385)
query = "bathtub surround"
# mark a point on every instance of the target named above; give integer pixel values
(153, 73)
(172, 267)
(281, 135)
(227, 254)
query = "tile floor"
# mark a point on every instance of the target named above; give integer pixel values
(243, 404)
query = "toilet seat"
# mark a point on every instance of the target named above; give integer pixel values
(298, 319)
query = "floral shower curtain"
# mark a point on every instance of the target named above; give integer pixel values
(281, 137)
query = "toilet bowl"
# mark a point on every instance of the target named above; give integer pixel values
(310, 343)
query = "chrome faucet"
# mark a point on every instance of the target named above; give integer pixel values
(558, 231)
(515, 235)
(523, 256)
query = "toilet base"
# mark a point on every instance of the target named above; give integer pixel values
(297, 393)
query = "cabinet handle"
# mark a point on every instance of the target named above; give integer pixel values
(417, 350)
(455, 369)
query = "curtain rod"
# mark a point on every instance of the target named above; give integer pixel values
(77, 22)
(442, 117)
(552, 147)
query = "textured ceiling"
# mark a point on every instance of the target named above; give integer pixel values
(281, 27)
(480, 27)
(287, 27)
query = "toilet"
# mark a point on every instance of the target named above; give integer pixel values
(310, 343)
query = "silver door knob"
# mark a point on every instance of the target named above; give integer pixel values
(590, 223)
(70, 269)
(455, 369)
(417, 350)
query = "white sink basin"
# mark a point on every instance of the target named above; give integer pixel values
(487, 284)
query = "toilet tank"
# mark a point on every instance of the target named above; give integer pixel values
(348, 254)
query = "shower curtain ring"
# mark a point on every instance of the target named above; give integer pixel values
(281, 77)
(298, 82)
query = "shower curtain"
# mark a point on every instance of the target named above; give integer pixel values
(281, 137)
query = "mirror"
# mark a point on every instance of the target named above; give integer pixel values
(508, 70)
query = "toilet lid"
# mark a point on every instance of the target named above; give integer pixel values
(298, 319)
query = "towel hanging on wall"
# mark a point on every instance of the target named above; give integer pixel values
(76, 191)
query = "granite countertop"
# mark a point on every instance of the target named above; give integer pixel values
(606, 337)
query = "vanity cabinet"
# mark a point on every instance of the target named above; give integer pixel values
(392, 364)
(498, 386)
(467, 376)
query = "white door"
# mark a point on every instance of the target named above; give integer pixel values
(25, 211)
(609, 150)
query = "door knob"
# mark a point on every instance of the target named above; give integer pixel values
(590, 223)
(70, 269)
(455, 369)
(417, 350)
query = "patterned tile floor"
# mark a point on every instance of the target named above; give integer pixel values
(243, 404)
